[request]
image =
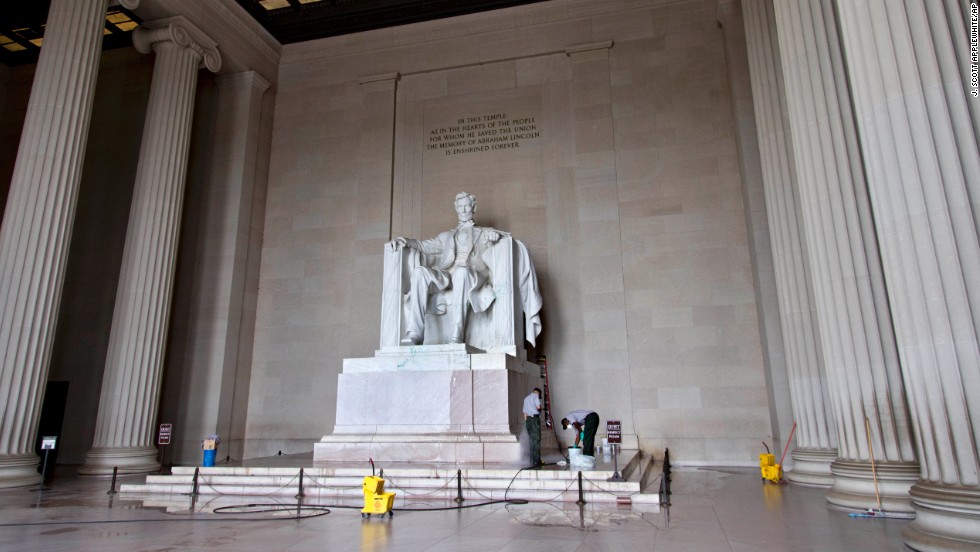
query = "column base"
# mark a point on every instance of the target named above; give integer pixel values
(19, 470)
(811, 467)
(854, 485)
(129, 460)
(946, 518)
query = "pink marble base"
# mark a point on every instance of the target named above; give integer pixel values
(433, 405)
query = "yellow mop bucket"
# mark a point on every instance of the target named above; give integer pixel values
(769, 468)
(376, 501)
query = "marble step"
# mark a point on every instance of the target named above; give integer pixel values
(407, 482)
(548, 488)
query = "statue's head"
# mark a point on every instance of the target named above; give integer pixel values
(465, 206)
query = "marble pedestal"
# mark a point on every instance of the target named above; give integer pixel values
(431, 403)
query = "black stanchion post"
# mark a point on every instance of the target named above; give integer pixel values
(581, 496)
(300, 494)
(615, 475)
(44, 470)
(459, 486)
(665, 479)
(197, 471)
(112, 486)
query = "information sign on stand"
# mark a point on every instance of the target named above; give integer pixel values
(614, 436)
(165, 431)
(614, 432)
(163, 439)
(48, 443)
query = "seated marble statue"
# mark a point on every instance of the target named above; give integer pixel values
(454, 262)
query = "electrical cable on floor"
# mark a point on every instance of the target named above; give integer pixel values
(264, 508)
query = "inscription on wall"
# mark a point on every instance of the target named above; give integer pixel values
(483, 132)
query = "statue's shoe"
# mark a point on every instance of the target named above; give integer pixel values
(412, 338)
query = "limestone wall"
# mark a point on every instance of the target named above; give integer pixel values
(600, 133)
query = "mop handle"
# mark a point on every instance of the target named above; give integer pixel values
(874, 475)
(788, 441)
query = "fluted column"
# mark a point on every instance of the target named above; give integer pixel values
(38, 220)
(908, 72)
(131, 383)
(852, 309)
(815, 436)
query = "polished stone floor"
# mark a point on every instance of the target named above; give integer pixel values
(716, 509)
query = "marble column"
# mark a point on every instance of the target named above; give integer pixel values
(816, 440)
(215, 381)
(37, 224)
(908, 74)
(124, 433)
(852, 309)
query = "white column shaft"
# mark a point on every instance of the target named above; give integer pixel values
(131, 382)
(858, 338)
(37, 225)
(140, 318)
(815, 433)
(919, 137)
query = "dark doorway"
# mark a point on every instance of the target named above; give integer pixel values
(52, 416)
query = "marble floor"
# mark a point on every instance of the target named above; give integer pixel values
(717, 509)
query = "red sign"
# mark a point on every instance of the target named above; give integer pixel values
(165, 431)
(614, 432)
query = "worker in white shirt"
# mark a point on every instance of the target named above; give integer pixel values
(532, 422)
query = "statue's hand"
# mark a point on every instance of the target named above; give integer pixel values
(492, 236)
(396, 244)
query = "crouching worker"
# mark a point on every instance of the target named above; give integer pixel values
(586, 423)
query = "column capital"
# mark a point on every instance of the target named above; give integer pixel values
(182, 32)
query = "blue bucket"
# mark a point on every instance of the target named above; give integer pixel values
(209, 457)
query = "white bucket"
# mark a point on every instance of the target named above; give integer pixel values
(578, 460)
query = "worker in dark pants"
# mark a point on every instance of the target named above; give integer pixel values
(585, 422)
(532, 422)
